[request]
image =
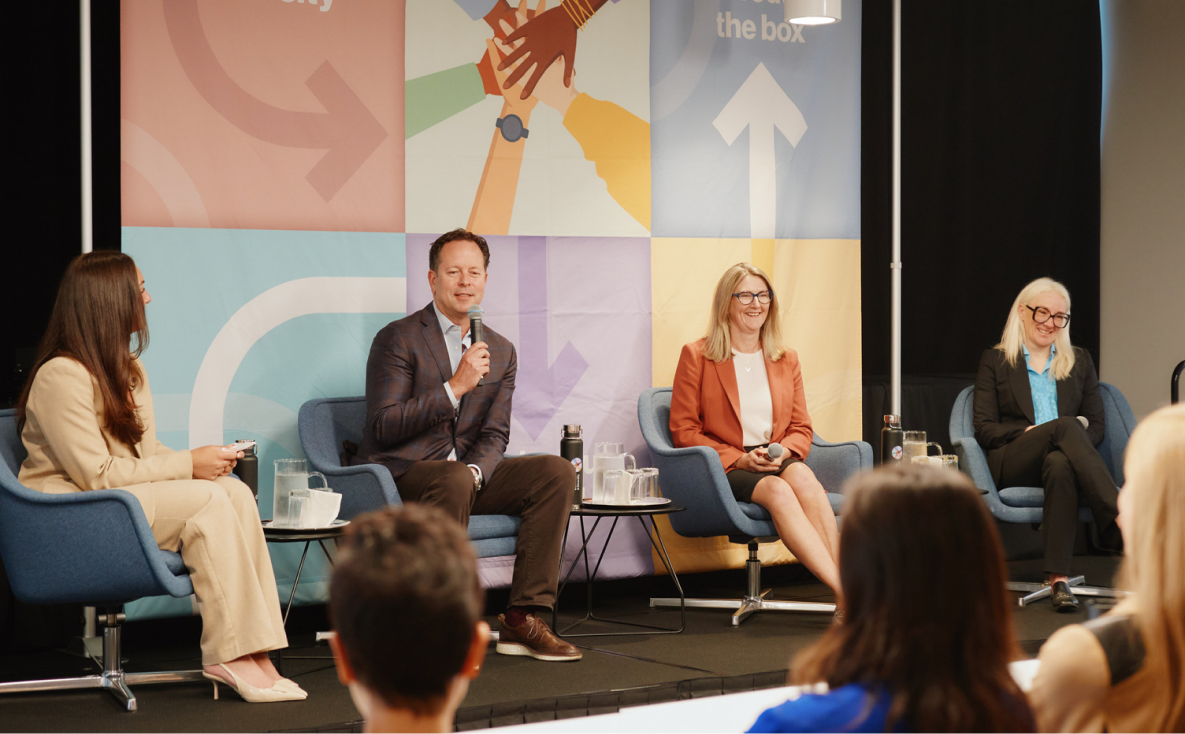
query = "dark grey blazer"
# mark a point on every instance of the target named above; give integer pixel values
(408, 414)
(1003, 406)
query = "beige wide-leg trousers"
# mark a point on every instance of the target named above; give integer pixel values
(215, 526)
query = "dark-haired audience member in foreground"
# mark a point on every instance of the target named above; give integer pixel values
(1126, 670)
(406, 604)
(910, 654)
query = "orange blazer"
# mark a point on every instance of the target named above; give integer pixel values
(705, 405)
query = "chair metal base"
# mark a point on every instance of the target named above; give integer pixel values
(753, 601)
(1037, 592)
(112, 678)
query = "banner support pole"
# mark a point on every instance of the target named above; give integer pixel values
(84, 72)
(895, 265)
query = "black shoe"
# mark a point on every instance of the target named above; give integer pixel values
(1063, 599)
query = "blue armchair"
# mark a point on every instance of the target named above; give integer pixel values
(94, 548)
(324, 424)
(694, 478)
(1020, 505)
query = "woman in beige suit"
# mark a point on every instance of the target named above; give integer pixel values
(87, 423)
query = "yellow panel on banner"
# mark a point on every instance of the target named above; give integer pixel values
(818, 284)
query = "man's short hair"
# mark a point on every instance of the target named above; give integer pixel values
(453, 236)
(404, 600)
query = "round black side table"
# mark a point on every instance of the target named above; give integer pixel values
(616, 512)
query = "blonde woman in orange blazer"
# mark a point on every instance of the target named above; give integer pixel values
(736, 391)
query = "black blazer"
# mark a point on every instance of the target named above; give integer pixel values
(1003, 406)
(409, 417)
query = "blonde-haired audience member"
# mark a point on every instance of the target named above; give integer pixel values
(1126, 670)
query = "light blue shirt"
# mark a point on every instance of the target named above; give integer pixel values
(1043, 387)
(456, 345)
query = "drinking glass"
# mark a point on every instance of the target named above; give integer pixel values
(605, 491)
(644, 486)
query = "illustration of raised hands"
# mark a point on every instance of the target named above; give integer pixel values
(538, 44)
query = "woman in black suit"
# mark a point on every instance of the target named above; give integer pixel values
(1039, 416)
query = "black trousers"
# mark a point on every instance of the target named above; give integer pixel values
(1059, 457)
(536, 488)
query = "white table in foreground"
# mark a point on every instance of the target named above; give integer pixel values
(734, 712)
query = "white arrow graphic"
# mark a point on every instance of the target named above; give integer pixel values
(262, 314)
(761, 105)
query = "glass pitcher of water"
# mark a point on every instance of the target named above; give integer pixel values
(291, 474)
(608, 456)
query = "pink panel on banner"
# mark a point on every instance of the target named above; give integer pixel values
(262, 115)
(578, 312)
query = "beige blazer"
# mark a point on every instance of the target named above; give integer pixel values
(69, 450)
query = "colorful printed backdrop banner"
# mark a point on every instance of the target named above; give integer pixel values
(286, 164)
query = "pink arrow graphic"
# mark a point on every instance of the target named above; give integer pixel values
(540, 388)
(346, 130)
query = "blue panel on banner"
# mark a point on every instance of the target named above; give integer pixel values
(246, 326)
(755, 123)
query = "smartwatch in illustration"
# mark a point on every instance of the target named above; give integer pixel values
(512, 128)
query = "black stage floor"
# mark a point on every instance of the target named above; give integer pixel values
(708, 655)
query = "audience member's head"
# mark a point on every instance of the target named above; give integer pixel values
(406, 604)
(926, 613)
(1152, 518)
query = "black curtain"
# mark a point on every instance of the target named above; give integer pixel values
(44, 215)
(1001, 105)
(43, 208)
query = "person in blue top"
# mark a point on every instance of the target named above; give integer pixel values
(910, 655)
(1038, 415)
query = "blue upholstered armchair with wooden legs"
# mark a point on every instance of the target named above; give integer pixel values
(1024, 504)
(694, 478)
(326, 422)
(93, 548)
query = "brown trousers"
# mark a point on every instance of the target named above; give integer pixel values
(536, 488)
(215, 526)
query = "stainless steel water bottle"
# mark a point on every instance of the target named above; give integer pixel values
(891, 439)
(572, 449)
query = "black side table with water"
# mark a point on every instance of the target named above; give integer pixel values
(306, 536)
(601, 512)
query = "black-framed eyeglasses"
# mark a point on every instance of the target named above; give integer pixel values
(1042, 315)
(746, 297)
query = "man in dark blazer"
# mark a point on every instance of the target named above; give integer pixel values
(438, 417)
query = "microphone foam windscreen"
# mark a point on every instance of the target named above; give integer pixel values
(775, 450)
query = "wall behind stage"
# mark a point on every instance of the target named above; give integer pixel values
(285, 165)
(1143, 175)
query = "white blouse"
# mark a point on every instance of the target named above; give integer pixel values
(757, 406)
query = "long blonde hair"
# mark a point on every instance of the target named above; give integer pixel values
(719, 345)
(1155, 563)
(1014, 329)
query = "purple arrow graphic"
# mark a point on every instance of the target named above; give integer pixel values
(540, 389)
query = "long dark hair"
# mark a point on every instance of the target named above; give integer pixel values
(96, 317)
(941, 654)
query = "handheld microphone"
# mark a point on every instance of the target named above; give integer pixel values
(475, 330)
(775, 450)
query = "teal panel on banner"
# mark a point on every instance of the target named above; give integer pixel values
(755, 123)
(246, 326)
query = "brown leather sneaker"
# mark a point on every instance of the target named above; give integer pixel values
(533, 637)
